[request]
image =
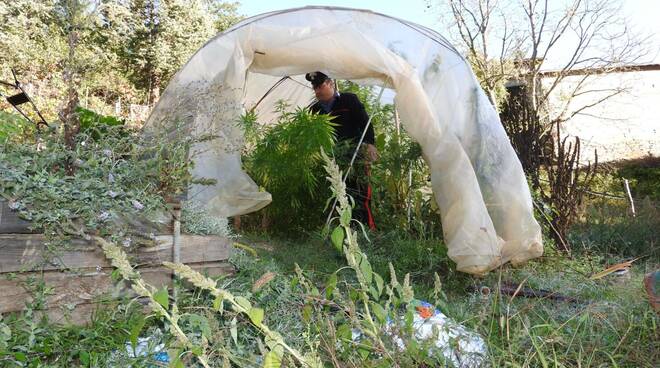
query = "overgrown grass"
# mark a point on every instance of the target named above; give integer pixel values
(608, 225)
(609, 228)
(34, 341)
(611, 324)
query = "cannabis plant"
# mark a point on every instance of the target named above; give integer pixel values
(285, 160)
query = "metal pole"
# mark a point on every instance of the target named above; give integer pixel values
(630, 198)
(410, 172)
(176, 242)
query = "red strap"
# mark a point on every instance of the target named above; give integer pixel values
(370, 217)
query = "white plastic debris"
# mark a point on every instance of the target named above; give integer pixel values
(458, 346)
(461, 347)
(142, 348)
(145, 347)
(137, 205)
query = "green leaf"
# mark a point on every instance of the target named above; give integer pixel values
(344, 332)
(379, 311)
(345, 218)
(379, 284)
(234, 331)
(256, 315)
(115, 275)
(307, 312)
(84, 357)
(199, 322)
(365, 267)
(244, 303)
(364, 232)
(409, 319)
(5, 330)
(20, 356)
(330, 285)
(197, 350)
(162, 297)
(135, 331)
(325, 231)
(177, 363)
(217, 304)
(374, 293)
(337, 238)
(272, 360)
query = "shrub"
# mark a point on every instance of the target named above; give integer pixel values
(285, 159)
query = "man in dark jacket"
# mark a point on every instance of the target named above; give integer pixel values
(351, 120)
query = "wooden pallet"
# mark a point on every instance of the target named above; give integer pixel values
(79, 275)
(10, 223)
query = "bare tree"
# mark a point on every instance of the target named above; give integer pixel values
(521, 39)
(74, 17)
(490, 39)
(515, 42)
(595, 39)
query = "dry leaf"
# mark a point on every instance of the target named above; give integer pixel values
(263, 280)
(616, 267)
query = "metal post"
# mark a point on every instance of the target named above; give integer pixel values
(410, 172)
(176, 242)
(630, 198)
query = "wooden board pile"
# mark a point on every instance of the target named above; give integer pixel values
(79, 276)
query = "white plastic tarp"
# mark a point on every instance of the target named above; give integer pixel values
(477, 180)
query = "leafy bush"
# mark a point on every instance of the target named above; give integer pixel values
(95, 124)
(118, 179)
(400, 178)
(13, 127)
(316, 326)
(609, 228)
(285, 159)
(644, 177)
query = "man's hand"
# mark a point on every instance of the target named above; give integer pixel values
(372, 153)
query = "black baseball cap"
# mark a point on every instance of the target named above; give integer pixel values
(317, 78)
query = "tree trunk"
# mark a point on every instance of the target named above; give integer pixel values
(154, 90)
(68, 114)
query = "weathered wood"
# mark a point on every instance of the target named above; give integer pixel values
(11, 223)
(80, 315)
(69, 290)
(25, 252)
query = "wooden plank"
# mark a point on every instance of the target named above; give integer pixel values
(80, 315)
(11, 223)
(69, 290)
(24, 252)
(66, 289)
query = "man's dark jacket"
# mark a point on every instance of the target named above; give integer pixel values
(350, 117)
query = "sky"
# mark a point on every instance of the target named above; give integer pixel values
(643, 14)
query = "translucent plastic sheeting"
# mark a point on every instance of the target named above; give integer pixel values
(477, 180)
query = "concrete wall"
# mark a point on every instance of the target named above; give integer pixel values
(625, 126)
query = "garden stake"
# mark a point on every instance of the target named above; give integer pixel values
(176, 243)
(630, 198)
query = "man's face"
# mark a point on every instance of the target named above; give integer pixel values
(324, 91)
